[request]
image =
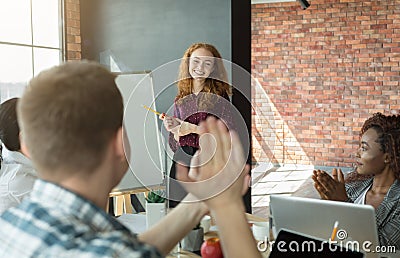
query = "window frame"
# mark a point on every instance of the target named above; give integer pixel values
(32, 47)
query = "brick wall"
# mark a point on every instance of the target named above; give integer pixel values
(321, 73)
(73, 32)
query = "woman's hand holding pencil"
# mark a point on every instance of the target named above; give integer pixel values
(162, 116)
(174, 124)
(171, 123)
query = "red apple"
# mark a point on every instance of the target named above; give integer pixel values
(211, 248)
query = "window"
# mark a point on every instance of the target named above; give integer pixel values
(30, 41)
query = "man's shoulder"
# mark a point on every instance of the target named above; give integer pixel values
(40, 233)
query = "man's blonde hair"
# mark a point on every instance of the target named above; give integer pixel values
(68, 115)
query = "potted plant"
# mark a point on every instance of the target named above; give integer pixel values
(155, 207)
(192, 242)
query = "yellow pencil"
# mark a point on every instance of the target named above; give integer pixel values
(334, 230)
(152, 110)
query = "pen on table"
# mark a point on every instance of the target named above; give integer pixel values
(334, 230)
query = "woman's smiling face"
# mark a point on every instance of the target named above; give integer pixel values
(371, 160)
(201, 63)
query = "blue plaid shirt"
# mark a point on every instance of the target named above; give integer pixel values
(55, 222)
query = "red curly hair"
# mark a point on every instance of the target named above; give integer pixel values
(216, 83)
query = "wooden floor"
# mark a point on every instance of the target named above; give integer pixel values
(285, 180)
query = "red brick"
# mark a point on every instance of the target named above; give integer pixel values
(334, 68)
(72, 23)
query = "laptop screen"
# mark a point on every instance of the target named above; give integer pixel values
(317, 218)
(290, 244)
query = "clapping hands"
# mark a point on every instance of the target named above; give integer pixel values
(330, 187)
(218, 174)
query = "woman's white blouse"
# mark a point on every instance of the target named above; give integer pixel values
(361, 198)
(17, 177)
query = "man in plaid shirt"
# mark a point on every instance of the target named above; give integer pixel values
(71, 124)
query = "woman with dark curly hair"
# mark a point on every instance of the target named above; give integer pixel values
(376, 179)
(203, 91)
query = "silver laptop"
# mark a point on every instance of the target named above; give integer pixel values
(317, 218)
